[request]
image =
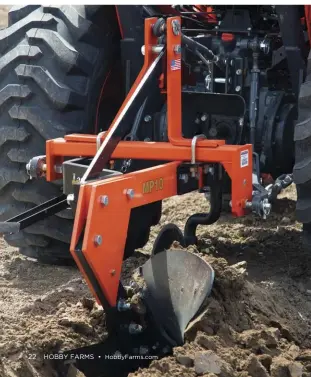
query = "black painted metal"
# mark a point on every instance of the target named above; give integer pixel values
(167, 235)
(178, 282)
(40, 212)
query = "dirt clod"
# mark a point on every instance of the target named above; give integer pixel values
(209, 362)
(255, 367)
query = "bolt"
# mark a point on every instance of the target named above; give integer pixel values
(216, 27)
(204, 117)
(176, 27)
(112, 272)
(266, 207)
(70, 198)
(231, 62)
(237, 88)
(184, 178)
(135, 328)
(177, 49)
(249, 29)
(58, 169)
(147, 118)
(103, 199)
(143, 350)
(244, 182)
(130, 193)
(147, 139)
(98, 240)
(248, 204)
(123, 306)
(213, 132)
(238, 72)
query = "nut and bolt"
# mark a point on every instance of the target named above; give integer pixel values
(177, 49)
(123, 306)
(104, 200)
(238, 72)
(147, 118)
(58, 169)
(266, 207)
(176, 27)
(143, 350)
(184, 178)
(237, 88)
(112, 272)
(98, 240)
(244, 182)
(204, 117)
(135, 328)
(130, 193)
(70, 198)
(248, 204)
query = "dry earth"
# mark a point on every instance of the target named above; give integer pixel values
(257, 322)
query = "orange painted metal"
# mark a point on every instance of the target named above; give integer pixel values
(228, 155)
(105, 260)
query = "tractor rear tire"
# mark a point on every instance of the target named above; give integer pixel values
(53, 63)
(302, 168)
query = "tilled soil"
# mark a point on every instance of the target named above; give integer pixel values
(257, 321)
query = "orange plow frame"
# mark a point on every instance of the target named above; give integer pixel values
(110, 221)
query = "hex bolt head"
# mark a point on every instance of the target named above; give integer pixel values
(104, 200)
(98, 240)
(147, 118)
(204, 118)
(176, 27)
(70, 198)
(130, 193)
(177, 49)
(237, 88)
(238, 72)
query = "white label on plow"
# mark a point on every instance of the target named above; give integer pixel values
(244, 159)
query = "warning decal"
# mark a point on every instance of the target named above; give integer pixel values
(244, 159)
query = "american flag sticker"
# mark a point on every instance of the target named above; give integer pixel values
(175, 64)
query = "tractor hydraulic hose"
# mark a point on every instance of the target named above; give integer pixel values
(195, 47)
(204, 218)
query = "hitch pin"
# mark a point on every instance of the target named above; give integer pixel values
(155, 49)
